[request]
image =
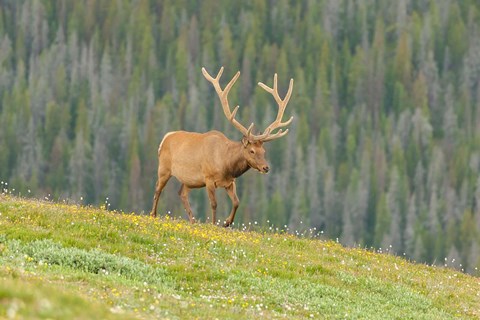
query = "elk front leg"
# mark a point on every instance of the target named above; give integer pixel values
(213, 201)
(183, 193)
(232, 193)
(162, 180)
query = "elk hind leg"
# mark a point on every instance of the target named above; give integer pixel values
(213, 201)
(232, 193)
(162, 180)
(183, 193)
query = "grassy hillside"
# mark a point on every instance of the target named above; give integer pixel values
(65, 261)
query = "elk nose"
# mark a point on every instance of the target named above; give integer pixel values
(266, 169)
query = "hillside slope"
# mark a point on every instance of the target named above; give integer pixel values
(66, 261)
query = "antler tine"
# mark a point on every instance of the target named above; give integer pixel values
(282, 104)
(234, 112)
(280, 133)
(223, 95)
(219, 74)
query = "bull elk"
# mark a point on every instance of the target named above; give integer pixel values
(212, 160)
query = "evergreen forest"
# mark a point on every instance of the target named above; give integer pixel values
(383, 152)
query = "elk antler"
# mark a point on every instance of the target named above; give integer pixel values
(223, 95)
(282, 104)
(266, 135)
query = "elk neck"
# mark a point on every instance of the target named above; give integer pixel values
(237, 164)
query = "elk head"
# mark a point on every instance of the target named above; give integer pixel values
(254, 153)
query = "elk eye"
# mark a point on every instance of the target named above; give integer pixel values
(252, 151)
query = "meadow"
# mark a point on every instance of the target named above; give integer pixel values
(66, 261)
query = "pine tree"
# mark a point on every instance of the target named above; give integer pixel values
(333, 218)
(57, 177)
(79, 169)
(455, 35)
(299, 213)
(316, 214)
(382, 223)
(410, 227)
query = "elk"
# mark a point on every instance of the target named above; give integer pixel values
(212, 160)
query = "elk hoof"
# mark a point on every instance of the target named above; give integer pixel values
(227, 224)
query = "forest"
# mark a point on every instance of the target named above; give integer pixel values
(383, 151)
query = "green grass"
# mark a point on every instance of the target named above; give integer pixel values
(62, 261)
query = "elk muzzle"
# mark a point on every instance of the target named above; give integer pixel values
(262, 167)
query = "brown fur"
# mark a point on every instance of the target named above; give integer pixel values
(206, 159)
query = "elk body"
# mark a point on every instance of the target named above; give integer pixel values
(212, 160)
